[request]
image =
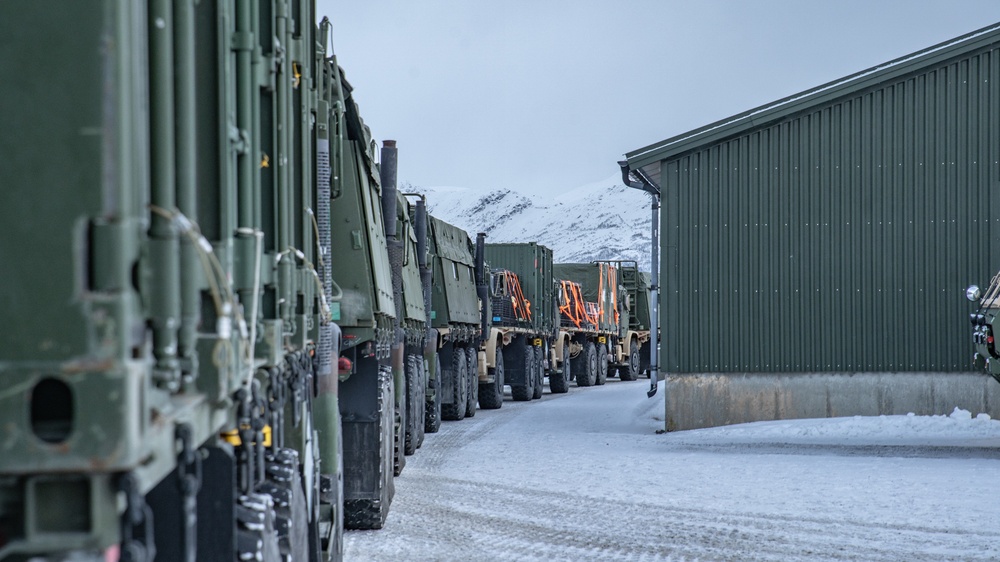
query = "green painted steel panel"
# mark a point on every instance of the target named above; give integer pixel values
(359, 238)
(413, 294)
(453, 290)
(839, 238)
(69, 151)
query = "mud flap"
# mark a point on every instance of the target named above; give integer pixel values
(367, 401)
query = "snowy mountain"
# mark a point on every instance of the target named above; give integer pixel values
(599, 221)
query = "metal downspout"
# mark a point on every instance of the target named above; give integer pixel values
(653, 190)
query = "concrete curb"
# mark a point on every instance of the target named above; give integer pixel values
(713, 399)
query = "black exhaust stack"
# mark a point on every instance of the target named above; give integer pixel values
(482, 289)
(387, 173)
(420, 224)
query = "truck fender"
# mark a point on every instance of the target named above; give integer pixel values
(630, 336)
(562, 340)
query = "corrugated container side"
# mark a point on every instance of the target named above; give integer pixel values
(532, 263)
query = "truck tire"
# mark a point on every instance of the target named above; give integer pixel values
(630, 372)
(523, 392)
(585, 365)
(400, 417)
(420, 392)
(283, 482)
(559, 382)
(491, 393)
(472, 367)
(414, 399)
(432, 414)
(460, 392)
(539, 385)
(602, 364)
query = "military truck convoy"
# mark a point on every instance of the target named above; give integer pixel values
(229, 327)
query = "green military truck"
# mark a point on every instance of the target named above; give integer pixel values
(169, 376)
(593, 310)
(457, 315)
(630, 356)
(524, 342)
(365, 230)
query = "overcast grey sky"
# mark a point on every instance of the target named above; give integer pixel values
(545, 95)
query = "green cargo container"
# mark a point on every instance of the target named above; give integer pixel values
(600, 283)
(532, 263)
(453, 299)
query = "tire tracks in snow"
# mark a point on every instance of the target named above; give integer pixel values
(503, 522)
(468, 513)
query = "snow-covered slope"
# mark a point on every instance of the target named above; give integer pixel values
(599, 221)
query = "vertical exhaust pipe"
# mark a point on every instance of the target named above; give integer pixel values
(482, 289)
(387, 172)
(420, 225)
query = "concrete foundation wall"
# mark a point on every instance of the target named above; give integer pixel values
(712, 399)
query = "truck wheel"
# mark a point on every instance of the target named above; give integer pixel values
(460, 392)
(523, 392)
(586, 375)
(559, 382)
(432, 414)
(539, 386)
(602, 364)
(420, 391)
(283, 482)
(413, 398)
(491, 393)
(630, 372)
(400, 417)
(473, 373)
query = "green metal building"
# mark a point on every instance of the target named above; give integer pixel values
(834, 231)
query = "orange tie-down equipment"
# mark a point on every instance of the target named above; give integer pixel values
(510, 288)
(573, 310)
(609, 271)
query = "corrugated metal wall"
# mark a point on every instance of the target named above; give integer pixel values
(839, 239)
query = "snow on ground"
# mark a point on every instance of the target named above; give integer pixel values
(584, 476)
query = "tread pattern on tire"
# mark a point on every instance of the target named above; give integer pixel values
(630, 372)
(491, 394)
(414, 395)
(559, 382)
(432, 411)
(472, 371)
(539, 385)
(602, 364)
(523, 392)
(585, 365)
